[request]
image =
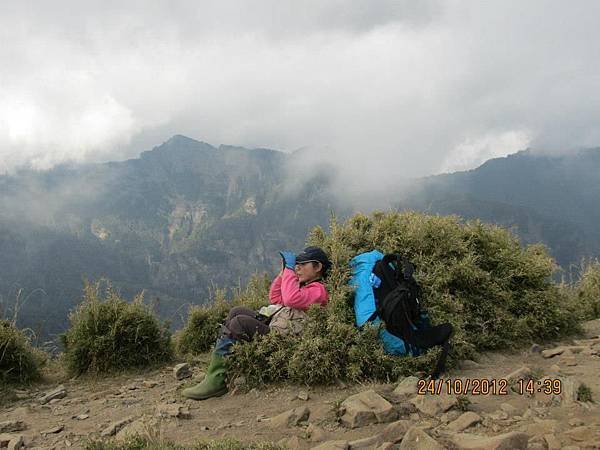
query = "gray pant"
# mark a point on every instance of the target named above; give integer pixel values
(242, 324)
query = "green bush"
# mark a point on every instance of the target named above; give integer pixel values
(19, 361)
(203, 324)
(588, 292)
(495, 293)
(109, 334)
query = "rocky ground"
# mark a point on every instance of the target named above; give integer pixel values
(58, 415)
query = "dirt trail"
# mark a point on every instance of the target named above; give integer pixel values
(89, 407)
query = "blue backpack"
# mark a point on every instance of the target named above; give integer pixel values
(384, 288)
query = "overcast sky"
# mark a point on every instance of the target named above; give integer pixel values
(385, 87)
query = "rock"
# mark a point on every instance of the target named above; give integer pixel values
(521, 373)
(332, 445)
(303, 395)
(173, 410)
(468, 364)
(395, 431)
(568, 361)
(149, 383)
(508, 441)
(408, 386)
(540, 427)
(550, 353)
(115, 427)
(464, 421)
(368, 442)
(365, 408)
(567, 396)
(16, 443)
(554, 369)
(290, 418)
(434, 405)
(386, 446)
(53, 430)
(449, 416)
(181, 371)
(509, 409)
(82, 416)
(315, 433)
(11, 426)
(580, 434)
(535, 348)
(416, 439)
(292, 443)
(59, 392)
(552, 442)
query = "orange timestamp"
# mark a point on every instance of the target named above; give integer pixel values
(467, 386)
(488, 386)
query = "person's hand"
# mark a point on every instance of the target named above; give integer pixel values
(288, 259)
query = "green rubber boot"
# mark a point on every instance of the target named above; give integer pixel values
(213, 384)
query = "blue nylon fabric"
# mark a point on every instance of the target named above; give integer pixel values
(364, 300)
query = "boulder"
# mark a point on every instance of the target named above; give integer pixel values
(115, 427)
(434, 405)
(181, 371)
(416, 439)
(365, 408)
(59, 392)
(552, 442)
(315, 433)
(584, 433)
(507, 441)
(368, 442)
(408, 386)
(395, 431)
(552, 352)
(290, 418)
(464, 421)
(293, 443)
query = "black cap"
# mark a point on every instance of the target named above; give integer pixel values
(315, 254)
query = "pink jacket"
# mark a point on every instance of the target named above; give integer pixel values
(286, 290)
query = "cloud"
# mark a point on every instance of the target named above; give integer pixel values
(384, 90)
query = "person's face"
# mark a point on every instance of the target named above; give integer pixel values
(308, 271)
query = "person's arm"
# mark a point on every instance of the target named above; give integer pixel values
(294, 296)
(275, 291)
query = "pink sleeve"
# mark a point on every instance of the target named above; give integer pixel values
(275, 291)
(294, 296)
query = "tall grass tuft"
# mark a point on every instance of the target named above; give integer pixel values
(19, 361)
(109, 334)
(587, 292)
(203, 324)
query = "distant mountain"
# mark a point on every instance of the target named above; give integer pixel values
(552, 199)
(183, 218)
(186, 217)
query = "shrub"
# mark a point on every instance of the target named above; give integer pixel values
(19, 361)
(584, 393)
(110, 334)
(203, 324)
(495, 293)
(588, 292)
